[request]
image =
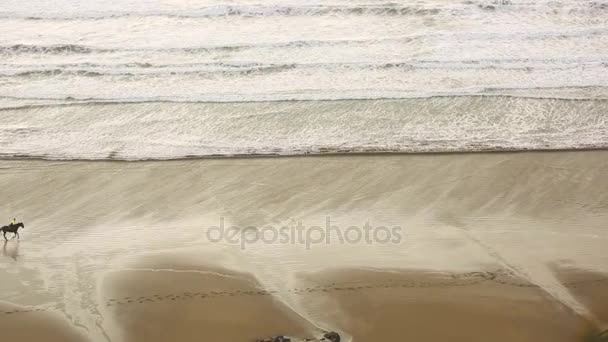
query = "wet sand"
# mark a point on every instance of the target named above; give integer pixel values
(19, 323)
(155, 304)
(394, 305)
(119, 251)
(190, 305)
(370, 305)
(589, 288)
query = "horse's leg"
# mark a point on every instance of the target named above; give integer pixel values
(5, 239)
(18, 237)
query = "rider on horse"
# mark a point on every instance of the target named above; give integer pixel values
(12, 227)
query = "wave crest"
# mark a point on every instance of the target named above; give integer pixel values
(42, 49)
(250, 11)
(163, 130)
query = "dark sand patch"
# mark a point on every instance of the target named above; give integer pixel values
(590, 288)
(195, 306)
(424, 306)
(35, 324)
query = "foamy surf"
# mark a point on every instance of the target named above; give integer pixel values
(161, 130)
(121, 80)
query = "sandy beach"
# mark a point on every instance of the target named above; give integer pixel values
(493, 246)
(429, 306)
(303, 171)
(186, 305)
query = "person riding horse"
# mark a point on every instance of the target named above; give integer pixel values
(13, 227)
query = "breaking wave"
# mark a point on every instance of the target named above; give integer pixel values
(49, 49)
(163, 130)
(147, 80)
(246, 11)
(243, 69)
(386, 10)
(71, 49)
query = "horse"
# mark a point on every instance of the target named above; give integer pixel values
(12, 228)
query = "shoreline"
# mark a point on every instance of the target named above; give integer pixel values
(311, 155)
(148, 131)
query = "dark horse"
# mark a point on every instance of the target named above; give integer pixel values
(12, 228)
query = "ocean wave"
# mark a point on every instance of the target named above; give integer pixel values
(53, 72)
(244, 69)
(390, 9)
(147, 69)
(47, 49)
(539, 93)
(67, 49)
(141, 131)
(71, 49)
(387, 9)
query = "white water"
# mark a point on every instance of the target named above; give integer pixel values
(178, 130)
(208, 51)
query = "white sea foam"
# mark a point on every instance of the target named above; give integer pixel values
(199, 52)
(179, 130)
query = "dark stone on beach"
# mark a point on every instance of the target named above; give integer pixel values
(332, 336)
(276, 339)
